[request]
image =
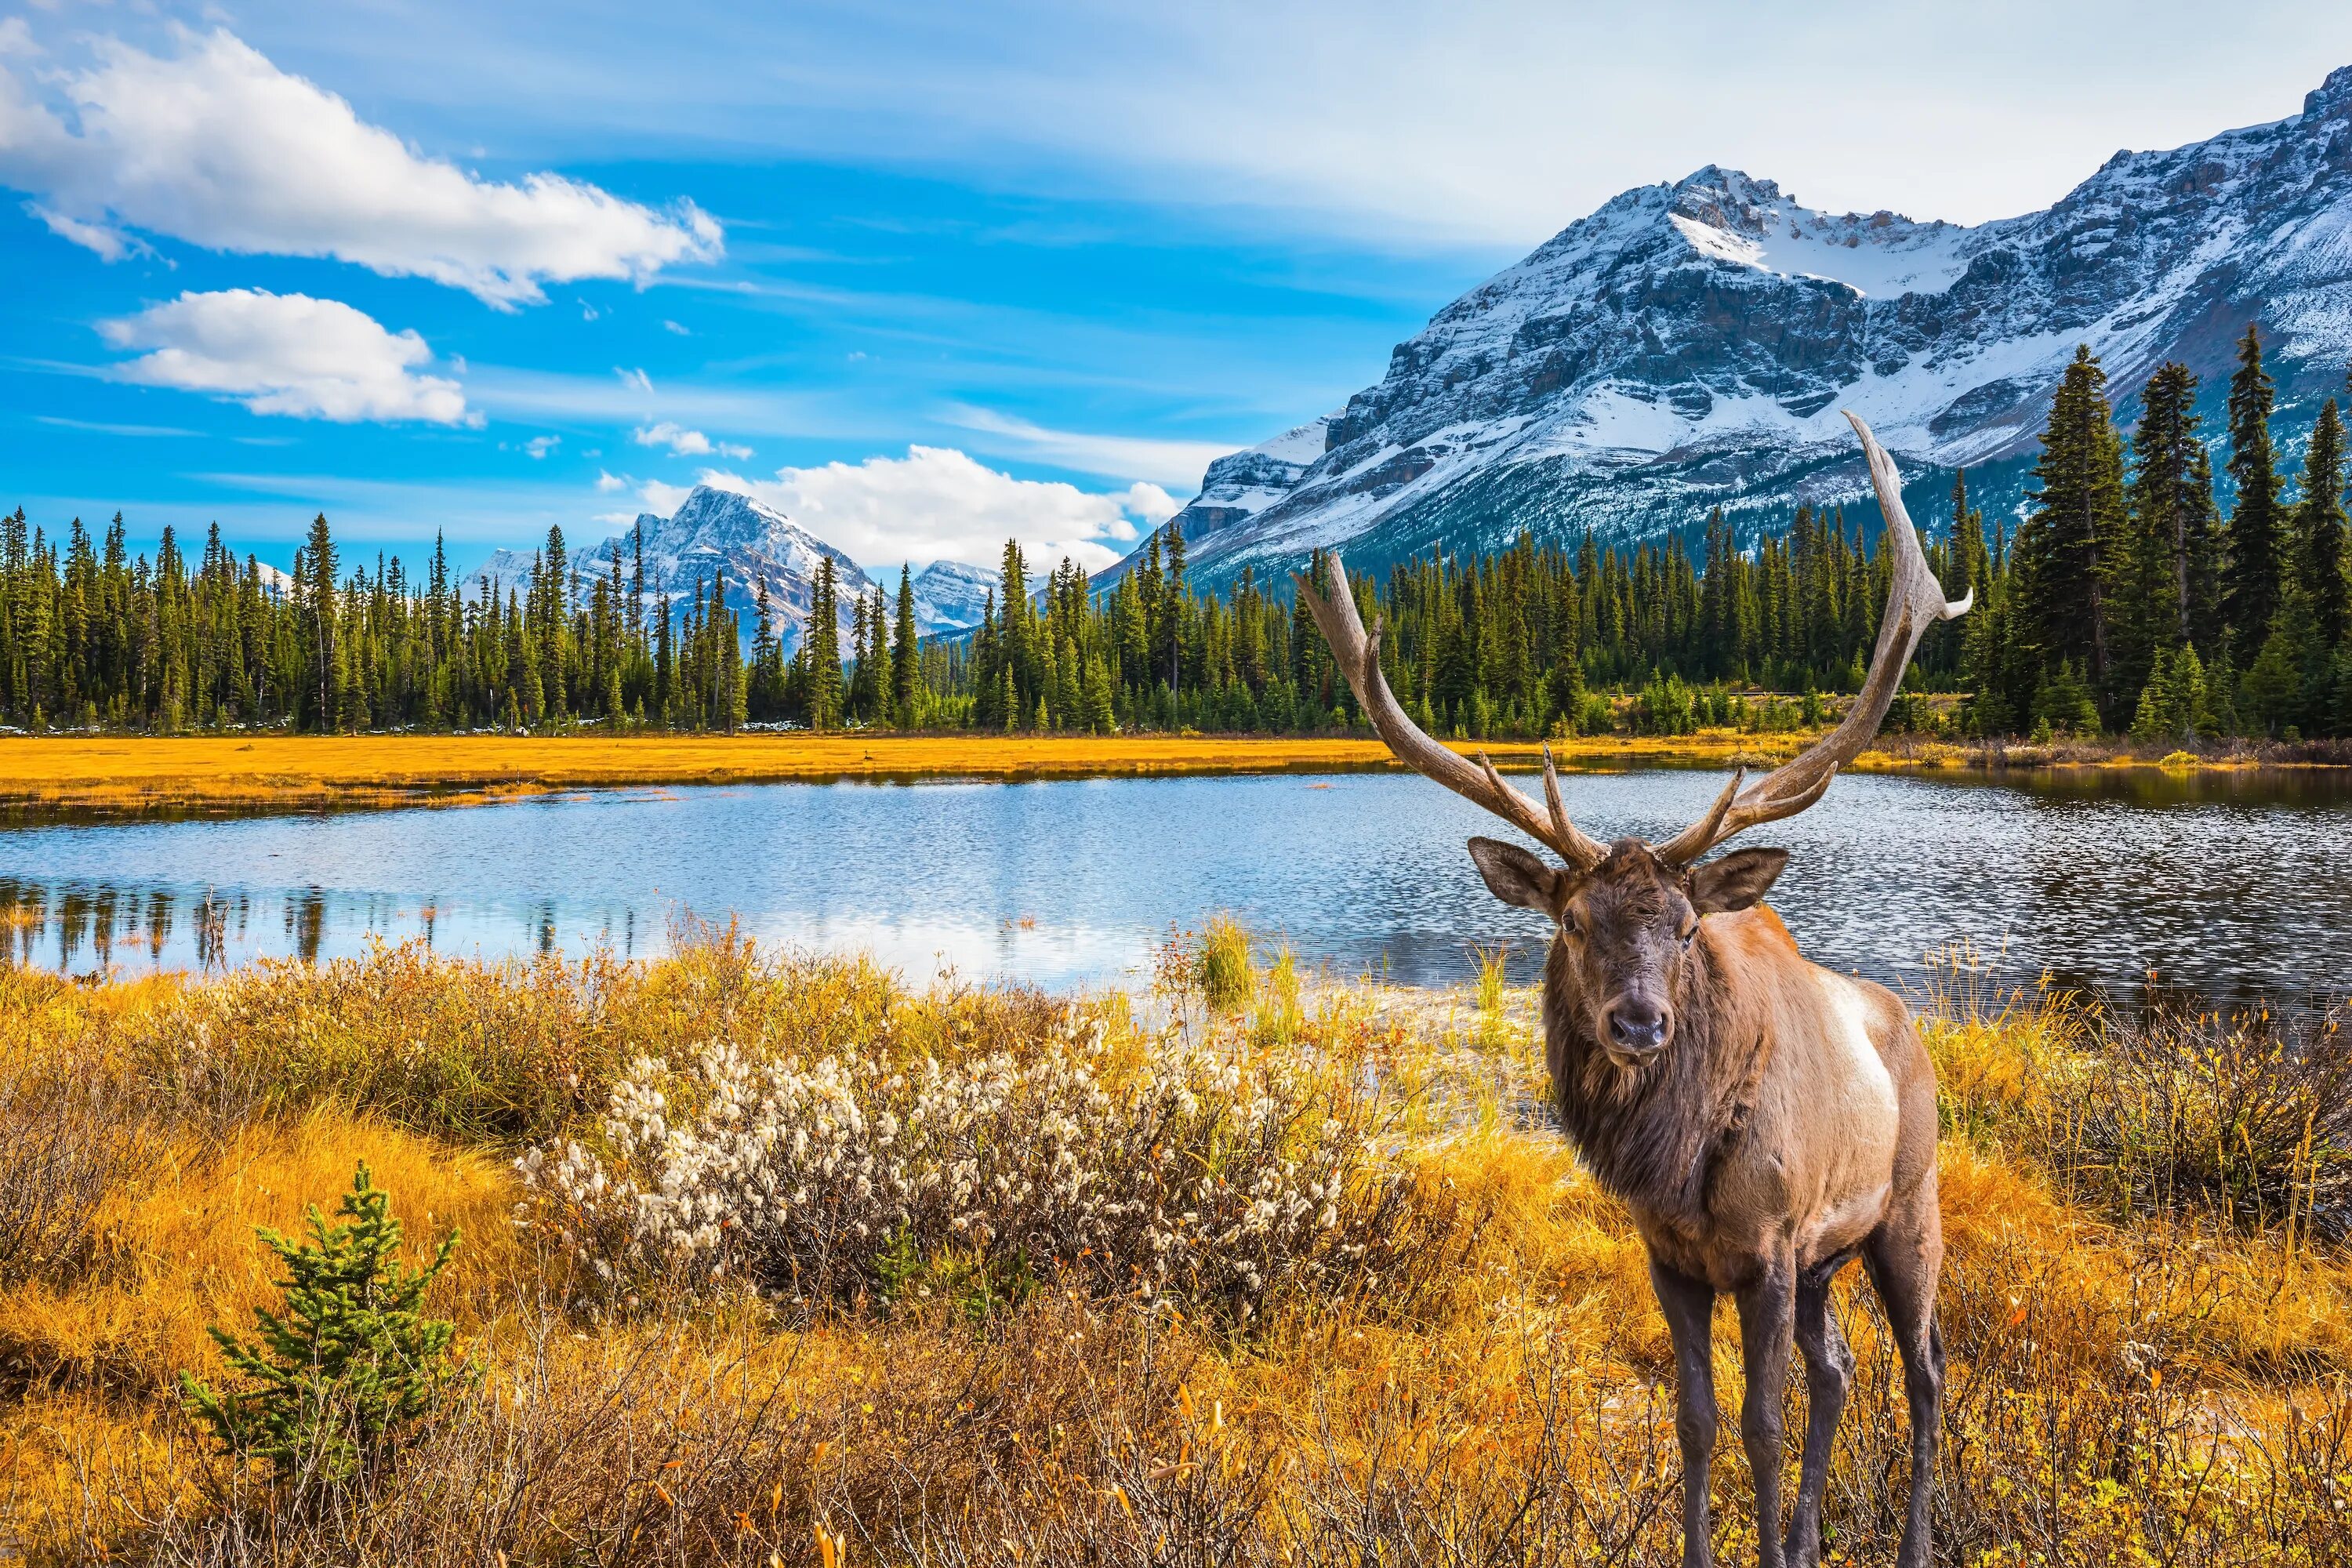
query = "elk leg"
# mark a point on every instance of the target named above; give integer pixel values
(1764, 1332)
(1689, 1308)
(1904, 1257)
(1829, 1371)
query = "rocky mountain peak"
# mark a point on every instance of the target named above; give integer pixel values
(1690, 344)
(2332, 97)
(724, 535)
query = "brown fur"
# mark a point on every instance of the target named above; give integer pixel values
(1783, 1124)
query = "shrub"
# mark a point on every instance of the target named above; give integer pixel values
(354, 1364)
(1217, 1178)
(64, 1142)
(2250, 1116)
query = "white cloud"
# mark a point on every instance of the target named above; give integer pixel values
(540, 446)
(634, 380)
(684, 443)
(674, 327)
(288, 353)
(609, 483)
(1179, 463)
(936, 503)
(1153, 504)
(217, 146)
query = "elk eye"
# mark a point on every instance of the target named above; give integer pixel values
(1568, 922)
(1691, 934)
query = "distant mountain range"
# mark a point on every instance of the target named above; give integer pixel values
(715, 531)
(1691, 344)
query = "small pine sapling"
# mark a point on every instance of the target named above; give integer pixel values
(350, 1366)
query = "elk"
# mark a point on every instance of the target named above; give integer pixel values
(1764, 1120)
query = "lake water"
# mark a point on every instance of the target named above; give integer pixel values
(2228, 884)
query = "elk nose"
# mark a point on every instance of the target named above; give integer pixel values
(1637, 1025)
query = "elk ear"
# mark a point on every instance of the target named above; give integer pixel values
(1736, 880)
(1515, 876)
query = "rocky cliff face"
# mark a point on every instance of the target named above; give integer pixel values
(1691, 344)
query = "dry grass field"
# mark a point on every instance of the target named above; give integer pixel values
(1398, 1326)
(230, 772)
(137, 773)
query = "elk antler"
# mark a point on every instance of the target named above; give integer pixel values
(1915, 600)
(1359, 659)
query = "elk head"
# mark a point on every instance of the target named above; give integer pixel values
(1628, 914)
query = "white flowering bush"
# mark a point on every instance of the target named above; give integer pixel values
(1212, 1174)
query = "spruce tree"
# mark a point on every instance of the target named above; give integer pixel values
(2319, 524)
(2251, 580)
(350, 1366)
(319, 556)
(822, 641)
(2170, 518)
(905, 657)
(884, 682)
(2068, 556)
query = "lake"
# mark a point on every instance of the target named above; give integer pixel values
(2228, 884)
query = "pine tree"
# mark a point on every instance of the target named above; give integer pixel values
(884, 682)
(2251, 580)
(2319, 525)
(906, 659)
(350, 1366)
(767, 653)
(2069, 559)
(319, 553)
(2171, 513)
(821, 641)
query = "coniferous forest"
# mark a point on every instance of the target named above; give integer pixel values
(2126, 601)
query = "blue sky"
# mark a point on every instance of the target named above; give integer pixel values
(922, 274)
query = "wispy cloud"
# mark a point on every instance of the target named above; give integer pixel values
(684, 443)
(104, 428)
(1176, 463)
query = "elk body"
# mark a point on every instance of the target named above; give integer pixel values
(1765, 1120)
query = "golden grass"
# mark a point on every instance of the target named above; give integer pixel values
(2170, 1389)
(137, 773)
(118, 772)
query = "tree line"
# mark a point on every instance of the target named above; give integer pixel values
(2124, 601)
(2129, 601)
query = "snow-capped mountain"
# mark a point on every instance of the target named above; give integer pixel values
(1691, 344)
(713, 531)
(950, 596)
(716, 531)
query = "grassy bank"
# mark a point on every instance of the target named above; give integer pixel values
(117, 773)
(1293, 1275)
(140, 773)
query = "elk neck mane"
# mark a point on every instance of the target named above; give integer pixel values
(1651, 1134)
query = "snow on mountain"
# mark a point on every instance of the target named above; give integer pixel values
(950, 595)
(713, 531)
(1691, 344)
(716, 531)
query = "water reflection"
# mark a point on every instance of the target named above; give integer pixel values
(2220, 882)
